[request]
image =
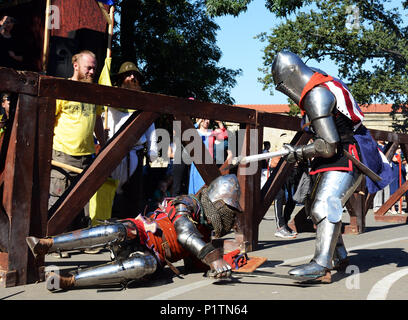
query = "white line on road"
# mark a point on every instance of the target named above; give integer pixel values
(195, 285)
(380, 290)
(181, 290)
(374, 244)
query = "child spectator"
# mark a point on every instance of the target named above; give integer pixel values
(161, 192)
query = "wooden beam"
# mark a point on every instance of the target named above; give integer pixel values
(18, 184)
(18, 81)
(41, 181)
(96, 174)
(278, 121)
(392, 200)
(389, 136)
(391, 150)
(247, 227)
(140, 100)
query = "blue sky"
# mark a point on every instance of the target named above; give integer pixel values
(241, 51)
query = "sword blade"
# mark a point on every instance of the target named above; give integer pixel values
(264, 274)
(259, 157)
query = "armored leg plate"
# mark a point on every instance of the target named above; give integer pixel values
(311, 272)
(93, 237)
(137, 266)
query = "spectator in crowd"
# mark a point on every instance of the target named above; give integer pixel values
(382, 195)
(75, 123)
(265, 163)
(170, 155)
(293, 191)
(9, 55)
(285, 204)
(4, 112)
(161, 192)
(266, 146)
(399, 174)
(209, 137)
(222, 154)
(196, 181)
(404, 179)
(169, 180)
(130, 195)
(5, 103)
(179, 168)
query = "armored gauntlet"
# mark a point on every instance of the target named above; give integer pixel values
(219, 267)
(319, 148)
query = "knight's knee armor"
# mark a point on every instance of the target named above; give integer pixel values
(333, 190)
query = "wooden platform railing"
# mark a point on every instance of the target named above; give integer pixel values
(25, 168)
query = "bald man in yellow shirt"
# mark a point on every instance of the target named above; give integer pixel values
(75, 124)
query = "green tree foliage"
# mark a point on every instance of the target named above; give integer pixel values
(366, 39)
(173, 42)
(234, 7)
(226, 7)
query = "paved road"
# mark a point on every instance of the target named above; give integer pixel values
(378, 271)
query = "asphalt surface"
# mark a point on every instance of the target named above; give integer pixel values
(378, 271)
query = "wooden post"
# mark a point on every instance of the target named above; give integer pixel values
(247, 232)
(41, 182)
(17, 194)
(257, 190)
(355, 207)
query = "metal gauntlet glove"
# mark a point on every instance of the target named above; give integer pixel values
(295, 153)
(219, 267)
(319, 148)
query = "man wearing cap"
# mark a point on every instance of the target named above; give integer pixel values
(131, 166)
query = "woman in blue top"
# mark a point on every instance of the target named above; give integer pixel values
(196, 181)
(208, 136)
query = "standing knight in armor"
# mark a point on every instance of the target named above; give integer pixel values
(329, 112)
(179, 229)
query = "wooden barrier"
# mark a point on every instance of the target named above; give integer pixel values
(25, 162)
